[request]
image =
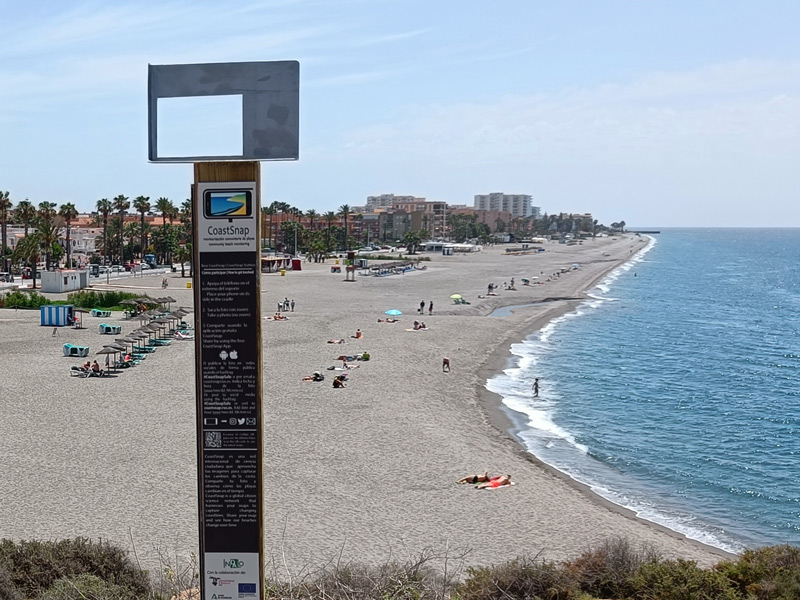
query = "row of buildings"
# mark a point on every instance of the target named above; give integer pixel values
(390, 217)
(386, 217)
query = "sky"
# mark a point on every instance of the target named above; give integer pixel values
(659, 113)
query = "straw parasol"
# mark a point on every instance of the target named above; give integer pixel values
(109, 350)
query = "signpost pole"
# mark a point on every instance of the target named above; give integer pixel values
(226, 283)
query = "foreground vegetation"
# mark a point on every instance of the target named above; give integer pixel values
(87, 299)
(617, 569)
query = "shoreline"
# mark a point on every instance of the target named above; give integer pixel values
(502, 418)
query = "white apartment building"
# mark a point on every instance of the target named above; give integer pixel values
(518, 205)
(387, 200)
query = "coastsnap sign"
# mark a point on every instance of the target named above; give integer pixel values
(228, 354)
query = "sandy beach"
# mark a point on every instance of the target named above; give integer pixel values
(363, 473)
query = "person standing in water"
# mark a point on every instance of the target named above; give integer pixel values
(536, 388)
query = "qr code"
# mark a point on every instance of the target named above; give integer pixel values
(213, 439)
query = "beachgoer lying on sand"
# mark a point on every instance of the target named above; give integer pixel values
(388, 320)
(341, 341)
(338, 382)
(495, 482)
(416, 325)
(475, 478)
(358, 335)
(422, 326)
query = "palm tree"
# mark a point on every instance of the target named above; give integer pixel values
(142, 205)
(104, 208)
(121, 204)
(167, 209)
(26, 212)
(27, 252)
(329, 217)
(182, 255)
(311, 214)
(47, 225)
(5, 208)
(69, 213)
(131, 230)
(344, 211)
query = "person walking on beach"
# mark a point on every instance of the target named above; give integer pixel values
(430, 308)
(292, 304)
(536, 388)
(421, 307)
(445, 365)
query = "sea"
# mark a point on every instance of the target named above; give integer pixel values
(674, 390)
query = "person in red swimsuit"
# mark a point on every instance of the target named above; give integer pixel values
(495, 482)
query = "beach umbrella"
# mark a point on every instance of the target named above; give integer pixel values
(108, 350)
(393, 312)
(128, 303)
(455, 296)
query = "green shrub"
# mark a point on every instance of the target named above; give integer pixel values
(35, 566)
(18, 299)
(605, 571)
(680, 580)
(109, 300)
(520, 578)
(8, 591)
(771, 573)
(87, 587)
(410, 581)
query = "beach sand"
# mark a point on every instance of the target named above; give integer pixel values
(365, 473)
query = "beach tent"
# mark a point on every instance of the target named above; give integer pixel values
(57, 315)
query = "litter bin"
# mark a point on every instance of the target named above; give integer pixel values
(283, 272)
(188, 285)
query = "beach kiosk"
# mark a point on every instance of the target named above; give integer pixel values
(57, 315)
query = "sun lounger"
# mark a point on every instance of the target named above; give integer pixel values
(70, 350)
(160, 342)
(96, 312)
(76, 371)
(147, 349)
(109, 329)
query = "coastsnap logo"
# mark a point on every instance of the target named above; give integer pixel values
(233, 563)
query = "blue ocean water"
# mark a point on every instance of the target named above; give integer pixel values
(674, 390)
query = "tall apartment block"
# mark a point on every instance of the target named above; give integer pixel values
(518, 205)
